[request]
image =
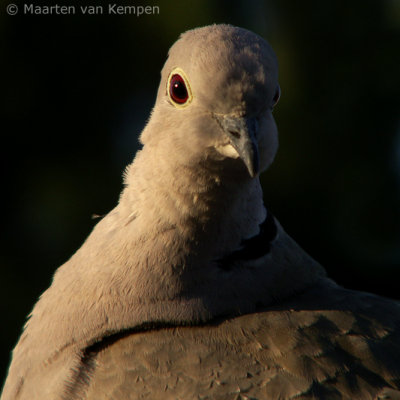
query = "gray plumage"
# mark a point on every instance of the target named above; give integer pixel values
(178, 293)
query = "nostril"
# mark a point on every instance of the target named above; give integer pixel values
(236, 134)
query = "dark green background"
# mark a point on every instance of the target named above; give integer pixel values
(76, 92)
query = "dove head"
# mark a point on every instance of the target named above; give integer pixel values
(214, 104)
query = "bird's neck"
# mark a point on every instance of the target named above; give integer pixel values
(211, 211)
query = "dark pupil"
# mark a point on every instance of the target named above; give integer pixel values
(178, 90)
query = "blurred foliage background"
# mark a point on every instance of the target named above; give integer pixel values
(76, 91)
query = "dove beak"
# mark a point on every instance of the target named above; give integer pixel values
(242, 134)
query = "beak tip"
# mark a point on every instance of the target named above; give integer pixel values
(252, 161)
(242, 133)
(253, 172)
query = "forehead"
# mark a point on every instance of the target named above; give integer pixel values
(223, 47)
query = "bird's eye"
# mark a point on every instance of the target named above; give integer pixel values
(276, 97)
(177, 89)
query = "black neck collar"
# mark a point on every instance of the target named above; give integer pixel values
(254, 247)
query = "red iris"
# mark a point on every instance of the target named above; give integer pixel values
(177, 89)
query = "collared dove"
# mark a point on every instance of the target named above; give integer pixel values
(189, 288)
